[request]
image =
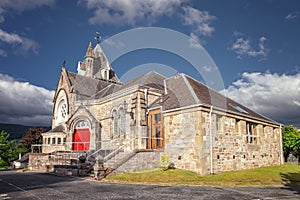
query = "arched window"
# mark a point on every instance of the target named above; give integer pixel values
(82, 124)
(122, 120)
(115, 122)
(62, 111)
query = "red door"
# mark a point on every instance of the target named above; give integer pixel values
(81, 139)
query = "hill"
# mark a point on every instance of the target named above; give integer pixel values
(16, 131)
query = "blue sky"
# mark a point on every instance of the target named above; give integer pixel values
(254, 44)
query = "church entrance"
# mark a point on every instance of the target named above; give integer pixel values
(81, 137)
(155, 139)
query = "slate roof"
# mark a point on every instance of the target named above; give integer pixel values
(182, 91)
(58, 129)
(186, 91)
(151, 79)
(86, 87)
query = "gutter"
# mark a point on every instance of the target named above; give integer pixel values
(281, 150)
(211, 140)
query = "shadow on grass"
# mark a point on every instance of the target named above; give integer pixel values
(291, 181)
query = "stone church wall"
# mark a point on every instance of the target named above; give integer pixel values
(183, 140)
(187, 142)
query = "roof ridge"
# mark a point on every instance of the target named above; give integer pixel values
(197, 100)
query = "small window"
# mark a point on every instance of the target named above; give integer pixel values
(157, 118)
(58, 140)
(49, 140)
(65, 140)
(53, 140)
(251, 135)
(219, 123)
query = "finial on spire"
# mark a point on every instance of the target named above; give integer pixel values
(64, 63)
(98, 37)
(89, 52)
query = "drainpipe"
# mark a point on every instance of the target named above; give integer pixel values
(211, 140)
(281, 150)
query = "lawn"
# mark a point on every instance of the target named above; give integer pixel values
(286, 174)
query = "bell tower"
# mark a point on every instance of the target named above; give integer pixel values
(96, 64)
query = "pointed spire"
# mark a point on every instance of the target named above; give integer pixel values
(89, 52)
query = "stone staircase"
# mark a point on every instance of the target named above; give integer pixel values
(102, 162)
(111, 164)
(119, 159)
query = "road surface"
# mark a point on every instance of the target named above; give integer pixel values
(32, 185)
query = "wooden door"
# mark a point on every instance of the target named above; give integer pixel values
(155, 130)
(81, 139)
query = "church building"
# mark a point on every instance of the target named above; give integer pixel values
(131, 126)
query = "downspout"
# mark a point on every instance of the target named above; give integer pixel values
(211, 140)
(281, 150)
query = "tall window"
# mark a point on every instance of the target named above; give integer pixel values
(115, 121)
(62, 111)
(122, 120)
(237, 126)
(251, 137)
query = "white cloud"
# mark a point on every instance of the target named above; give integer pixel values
(273, 95)
(242, 47)
(199, 20)
(292, 15)
(24, 103)
(194, 41)
(21, 5)
(110, 42)
(137, 12)
(132, 12)
(19, 44)
(10, 38)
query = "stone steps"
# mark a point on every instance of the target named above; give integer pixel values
(117, 160)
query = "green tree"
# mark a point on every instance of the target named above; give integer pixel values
(290, 141)
(33, 136)
(9, 149)
(4, 147)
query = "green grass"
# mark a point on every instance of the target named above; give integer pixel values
(286, 174)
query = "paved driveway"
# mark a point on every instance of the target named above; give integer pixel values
(29, 185)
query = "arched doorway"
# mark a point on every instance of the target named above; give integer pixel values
(81, 136)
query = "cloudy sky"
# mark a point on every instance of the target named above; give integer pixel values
(254, 44)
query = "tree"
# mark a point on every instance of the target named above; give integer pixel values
(4, 147)
(9, 149)
(33, 136)
(290, 141)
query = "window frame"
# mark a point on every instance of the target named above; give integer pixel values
(251, 133)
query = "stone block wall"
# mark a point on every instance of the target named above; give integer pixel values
(188, 142)
(142, 161)
(40, 162)
(183, 140)
(232, 151)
